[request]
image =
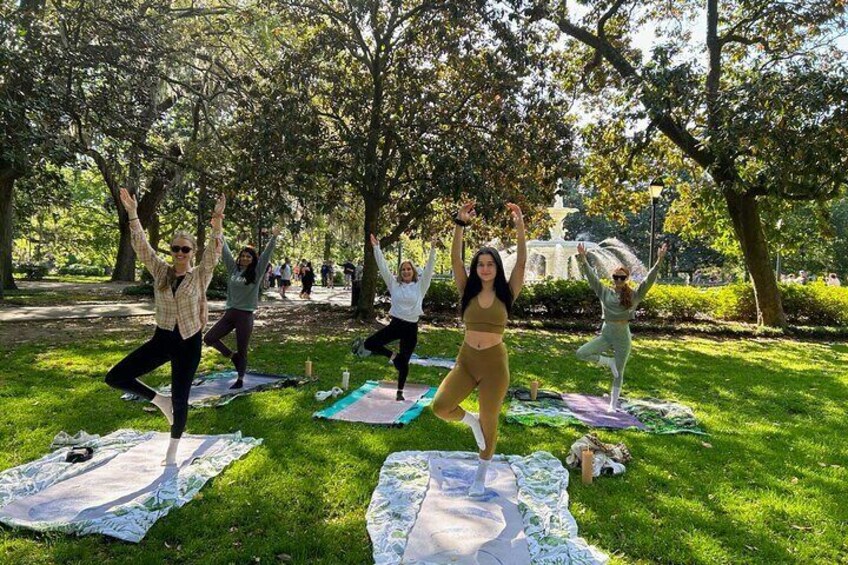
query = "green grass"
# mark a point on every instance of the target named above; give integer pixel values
(769, 485)
(44, 297)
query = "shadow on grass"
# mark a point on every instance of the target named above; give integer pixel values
(758, 494)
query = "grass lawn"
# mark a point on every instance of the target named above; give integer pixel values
(769, 485)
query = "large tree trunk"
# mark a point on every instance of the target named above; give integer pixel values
(125, 261)
(7, 219)
(745, 213)
(365, 308)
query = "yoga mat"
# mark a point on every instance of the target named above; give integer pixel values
(442, 362)
(420, 512)
(453, 527)
(374, 403)
(122, 491)
(214, 389)
(592, 411)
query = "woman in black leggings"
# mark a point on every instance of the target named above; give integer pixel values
(407, 291)
(243, 288)
(181, 312)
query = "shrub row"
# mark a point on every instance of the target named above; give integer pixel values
(805, 305)
(80, 269)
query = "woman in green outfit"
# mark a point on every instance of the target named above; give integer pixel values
(618, 305)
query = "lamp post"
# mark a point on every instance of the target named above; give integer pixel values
(655, 189)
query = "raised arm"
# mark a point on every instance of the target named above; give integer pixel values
(463, 217)
(586, 268)
(516, 279)
(213, 249)
(265, 258)
(145, 253)
(227, 255)
(646, 284)
(427, 275)
(382, 266)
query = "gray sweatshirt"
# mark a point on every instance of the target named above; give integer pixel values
(241, 296)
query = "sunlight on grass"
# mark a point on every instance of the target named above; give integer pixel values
(767, 486)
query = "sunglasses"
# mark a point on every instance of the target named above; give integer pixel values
(619, 277)
(178, 248)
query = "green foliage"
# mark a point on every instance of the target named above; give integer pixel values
(80, 269)
(32, 271)
(735, 302)
(138, 290)
(441, 297)
(677, 302)
(806, 305)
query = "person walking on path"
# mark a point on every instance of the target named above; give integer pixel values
(285, 278)
(307, 279)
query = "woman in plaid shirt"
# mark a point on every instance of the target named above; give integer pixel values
(181, 312)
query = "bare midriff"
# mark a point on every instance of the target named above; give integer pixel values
(482, 340)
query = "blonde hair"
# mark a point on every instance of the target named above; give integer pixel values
(625, 294)
(414, 271)
(171, 274)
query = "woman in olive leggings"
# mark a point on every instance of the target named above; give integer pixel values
(618, 305)
(482, 362)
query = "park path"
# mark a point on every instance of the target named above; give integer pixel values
(320, 295)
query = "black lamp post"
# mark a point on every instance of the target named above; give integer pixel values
(655, 188)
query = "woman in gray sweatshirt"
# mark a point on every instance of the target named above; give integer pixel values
(243, 287)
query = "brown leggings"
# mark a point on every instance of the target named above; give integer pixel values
(484, 369)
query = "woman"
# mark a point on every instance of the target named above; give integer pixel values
(180, 296)
(307, 279)
(618, 305)
(482, 362)
(407, 293)
(243, 289)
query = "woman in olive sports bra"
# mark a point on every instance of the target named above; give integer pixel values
(482, 362)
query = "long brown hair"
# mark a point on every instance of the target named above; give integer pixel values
(625, 294)
(171, 274)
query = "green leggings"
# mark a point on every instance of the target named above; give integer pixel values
(486, 370)
(613, 336)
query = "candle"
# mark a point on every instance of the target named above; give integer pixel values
(345, 379)
(308, 368)
(534, 390)
(587, 464)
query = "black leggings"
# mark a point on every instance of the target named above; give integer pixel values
(242, 322)
(164, 346)
(407, 333)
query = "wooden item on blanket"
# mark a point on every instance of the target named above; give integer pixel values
(587, 464)
(534, 390)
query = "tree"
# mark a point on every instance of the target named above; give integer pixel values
(28, 98)
(765, 118)
(404, 104)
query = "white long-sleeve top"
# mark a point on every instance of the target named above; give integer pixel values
(407, 298)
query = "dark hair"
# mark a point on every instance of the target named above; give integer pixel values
(474, 284)
(250, 271)
(625, 295)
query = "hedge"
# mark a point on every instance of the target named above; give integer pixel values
(805, 305)
(82, 270)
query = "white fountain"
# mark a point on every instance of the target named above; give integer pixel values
(557, 257)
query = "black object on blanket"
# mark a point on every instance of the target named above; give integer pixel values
(521, 393)
(79, 454)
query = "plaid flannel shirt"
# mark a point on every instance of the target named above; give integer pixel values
(186, 308)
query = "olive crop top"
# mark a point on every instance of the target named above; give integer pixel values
(490, 320)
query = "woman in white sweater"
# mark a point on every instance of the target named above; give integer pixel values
(407, 291)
